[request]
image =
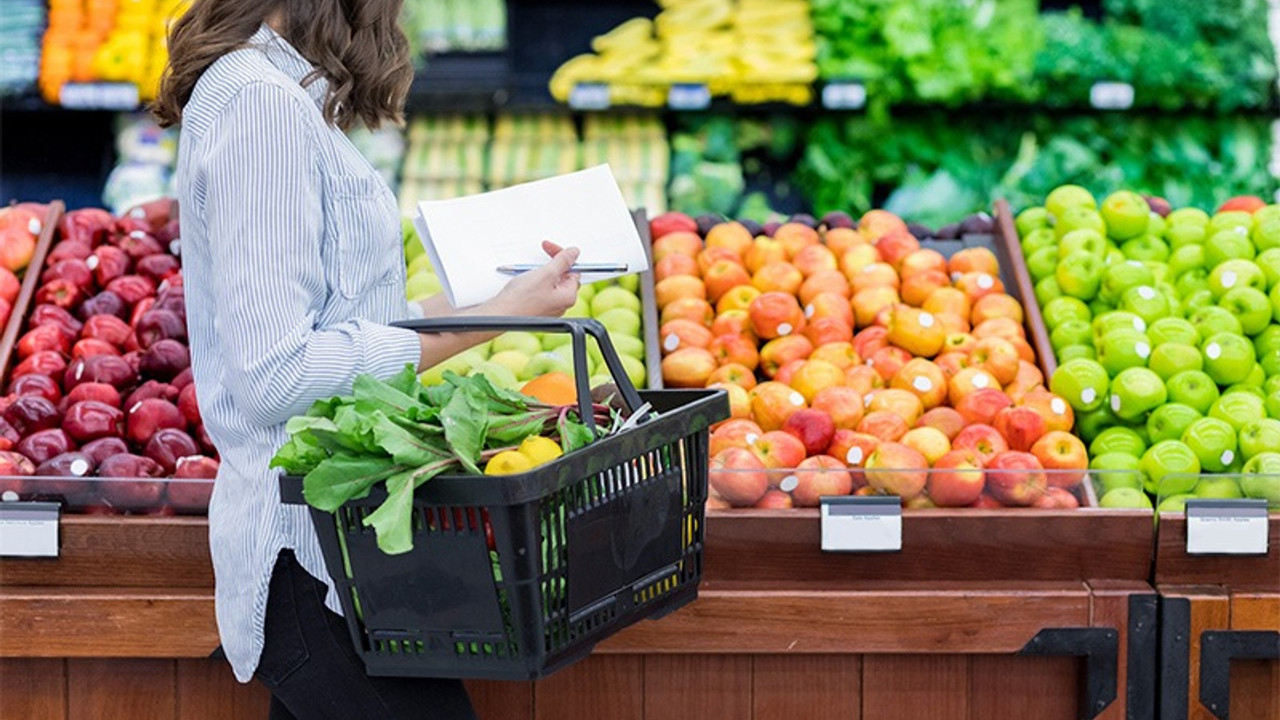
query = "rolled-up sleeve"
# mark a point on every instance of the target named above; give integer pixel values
(265, 220)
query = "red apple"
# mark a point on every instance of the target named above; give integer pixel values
(1064, 456)
(813, 428)
(738, 476)
(896, 469)
(1016, 478)
(818, 476)
(981, 407)
(984, 440)
(1020, 426)
(956, 479)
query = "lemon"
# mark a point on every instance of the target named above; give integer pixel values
(540, 450)
(508, 462)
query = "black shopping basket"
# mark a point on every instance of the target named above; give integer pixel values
(514, 577)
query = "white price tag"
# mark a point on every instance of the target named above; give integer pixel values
(1111, 96)
(1227, 527)
(862, 524)
(29, 529)
(99, 96)
(689, 96)
(844, 96)
(589, 96)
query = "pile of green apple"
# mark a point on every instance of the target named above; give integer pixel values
(514, 358)
(1166, 327)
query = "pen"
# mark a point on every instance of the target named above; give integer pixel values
(577, 268)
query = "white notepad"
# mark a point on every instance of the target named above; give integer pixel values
(468, 238)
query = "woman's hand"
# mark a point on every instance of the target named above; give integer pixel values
(547, 292)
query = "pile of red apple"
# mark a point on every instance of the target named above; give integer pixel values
(20, 227)
(101, 386)
(857, 362)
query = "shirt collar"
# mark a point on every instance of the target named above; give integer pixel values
(289, 61)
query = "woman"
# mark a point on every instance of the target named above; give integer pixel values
(293, 264)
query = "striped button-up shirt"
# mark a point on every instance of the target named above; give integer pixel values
(293, 265)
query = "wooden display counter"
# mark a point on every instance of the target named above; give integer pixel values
(983, 614)
(1220, 629)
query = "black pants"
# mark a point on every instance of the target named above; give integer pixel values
(314, 673)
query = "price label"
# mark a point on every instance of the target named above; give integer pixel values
(589, 96)
(1111, 96)
(689, 96)
(844, 96)
(861, 524)
(99, 96)
(1227, 527)
(29, 529)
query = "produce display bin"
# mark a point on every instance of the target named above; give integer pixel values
(649, 308)
(581, 547)
(30, 279)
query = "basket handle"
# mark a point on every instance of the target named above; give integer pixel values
(578, 329)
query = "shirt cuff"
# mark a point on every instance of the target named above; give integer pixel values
(388, 349)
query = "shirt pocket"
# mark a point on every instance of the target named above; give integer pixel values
(365, 232)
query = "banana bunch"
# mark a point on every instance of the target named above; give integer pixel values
(751, 50)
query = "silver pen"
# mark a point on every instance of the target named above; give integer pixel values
(576, 268)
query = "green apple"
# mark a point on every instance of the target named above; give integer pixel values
(1266, 231)
(1251, 307)
(1225, 246)
(1228, 357)
(1268, 261)
(1170, 459)
(587, 293)
(1067, 196)
(1254, 390)
(565, 352)
(1047, 289)
(635, 370)
(500, 375)
(1071, 332)
(1159, 271)
(1113, 470)
(1194, 217)
(1191, 281)
(1092, 423)
(1196, 300)
(1237, 221)
(1079, 218)
(1116, 279)
(613, 297)
(1082, 383)
(1033, 218)
(551, 341)
(1264, 463)
(1259, 436)
(630, 283)
(1126, 213)
(1269, 360)
(1183, 235)
(1085, 240)
(1271, 385)
(1156, 224)
(1043, 263)
(422, 286)
(1213, 320)
(525, 342)
(1218, 488)
(1099, 307)
(1213, 440)
(1264, 486)
(512, 360)
(1267, 340)
(1265, 213)
(1185, 259)
(419, 264)
(462, 364)
(581, 308)
(549, 361)
(1071, 352)
(1039, 240)
(1175, 503)
(1236, 273)
(1135, 392)
(621, 321)
(1170, 359)
(1172, 330)
(628, 345)
(1147, 247)
(1123, 348)
(1170, 421)
(1114, 256)
(1116, 320)
(1194, 388)
(1125, 498)
(1122, 440)
(1257, 379)
(1146, 302)
(1079, 275)
(1059, 310)
(1275, 301)
(1273, 404)
(1238, 409)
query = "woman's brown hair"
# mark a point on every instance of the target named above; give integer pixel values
(357, 45)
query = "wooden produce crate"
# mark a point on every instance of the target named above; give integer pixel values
(30, 281)
(1219, 628)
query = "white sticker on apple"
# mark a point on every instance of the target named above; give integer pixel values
(1135, 263)
(1088, 395)
(926, 320)
(809, 310)
(1144, 350)
(92, 262)
(1213, 351)
(784, 329)
(137, 213)
(986, 282)
(79, 467)
(1227, 457)
(789, 483)
(854, 456)
(1241, 230)
(9, 496)
(866, 399)
(137, 235)
(671, 342)
(1139, 324)
(1146, 292)
(980, 381)
(33, 226)
(922, 383)
(1228, 279)
(1115, 403)
(956, 276)
(1058, 406)
(797, 399)
(751, 438)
